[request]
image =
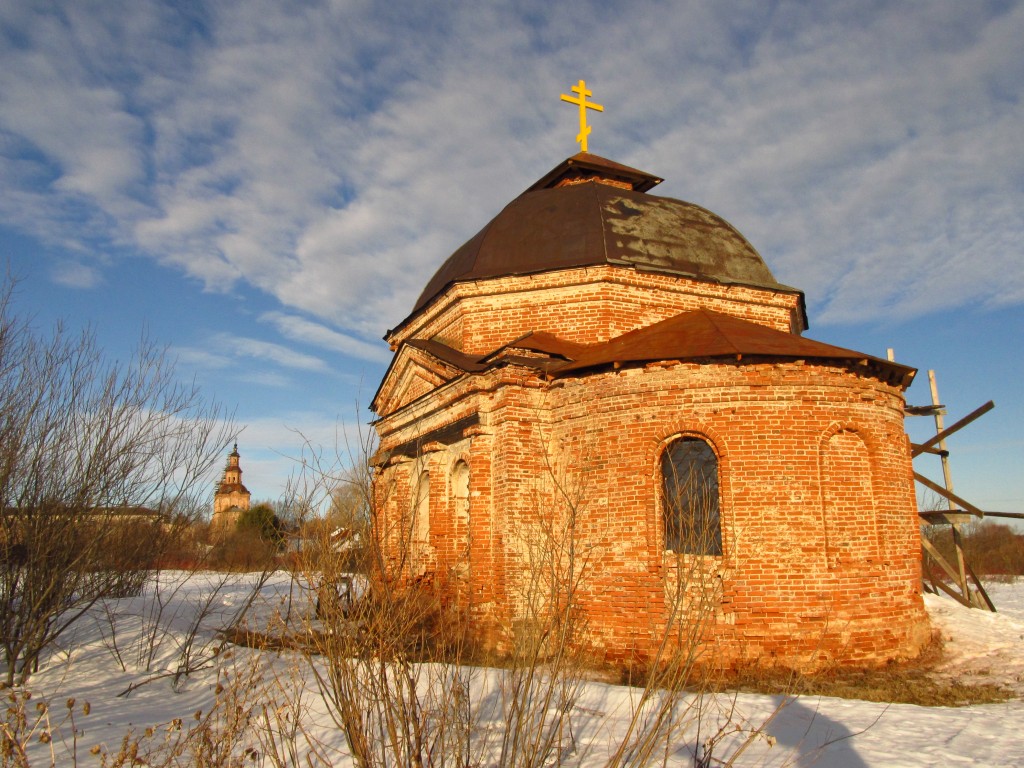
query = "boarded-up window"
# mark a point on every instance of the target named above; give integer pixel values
(689, 472)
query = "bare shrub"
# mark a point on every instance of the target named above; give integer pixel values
(259, 716)
(90, 452)
(29, 723)
(992, 549)
(243, 549)
(395, 665)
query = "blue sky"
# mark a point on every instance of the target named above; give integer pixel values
(266, 186)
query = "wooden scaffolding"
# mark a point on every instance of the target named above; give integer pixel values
(958, 580)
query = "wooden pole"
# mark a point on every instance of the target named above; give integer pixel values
(980, 411)
(939, 426)
(947, 478)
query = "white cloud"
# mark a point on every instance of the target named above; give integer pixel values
(307, 332)
(301, 451)
(88, 140)
(242, 347)
(224, 350)
(76, 275)
(205, 359)
(332, 155)
(271, 379)
(866, 161)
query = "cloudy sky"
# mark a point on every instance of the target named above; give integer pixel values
(265, 186)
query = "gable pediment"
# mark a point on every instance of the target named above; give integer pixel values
(414, 372)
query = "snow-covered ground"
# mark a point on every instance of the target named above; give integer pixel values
(135, 678)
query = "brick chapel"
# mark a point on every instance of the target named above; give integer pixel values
(629, 361)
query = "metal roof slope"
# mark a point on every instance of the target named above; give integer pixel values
(539, 341)
(450, 355)
(591, 224)
(442, 352)
(584, 165)
(704, 333)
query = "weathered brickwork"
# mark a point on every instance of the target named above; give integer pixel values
(820, 539)
(787, 594)
(561, 474)
(584, 306)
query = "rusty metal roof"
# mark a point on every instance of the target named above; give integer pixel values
(444, 353)
(704, 334)
(540, 341)
(584, 165)
(448, 355)
(701, 335)
(590, 224)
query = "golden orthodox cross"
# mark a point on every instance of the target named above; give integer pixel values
(581, 89)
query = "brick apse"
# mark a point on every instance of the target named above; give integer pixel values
(617, 378)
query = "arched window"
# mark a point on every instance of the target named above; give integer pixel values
(689, 474)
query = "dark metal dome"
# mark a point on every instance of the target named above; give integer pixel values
(592, 222)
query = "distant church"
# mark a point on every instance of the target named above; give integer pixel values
(231, 497)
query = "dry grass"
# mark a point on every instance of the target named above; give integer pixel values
(919, 681)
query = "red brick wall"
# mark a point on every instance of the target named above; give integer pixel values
(821, 550)
(585, 306)
(821, 546)
(775, 428)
